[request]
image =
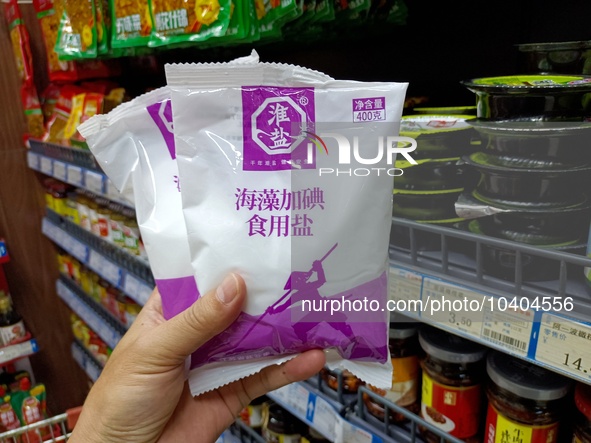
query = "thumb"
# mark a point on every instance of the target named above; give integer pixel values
(180, 336)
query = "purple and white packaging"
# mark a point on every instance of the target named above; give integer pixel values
(288, 185)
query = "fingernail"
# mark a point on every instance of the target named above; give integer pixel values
(228, 290)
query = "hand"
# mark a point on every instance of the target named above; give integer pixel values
(142, 396)
(317, 266)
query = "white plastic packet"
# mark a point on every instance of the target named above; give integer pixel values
(134, 145)
(288, 185)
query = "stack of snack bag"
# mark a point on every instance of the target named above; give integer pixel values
(247, 180)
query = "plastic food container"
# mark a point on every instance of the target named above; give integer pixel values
(434, 174)
(426, 205)
(501, 262)
(438, 136)
(447, 110)
(536, 137)
(562, 96)
(453, 371)
(523, 400)
(558, 57)
(503, 183)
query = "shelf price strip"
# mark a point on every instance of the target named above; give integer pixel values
(543, 337)
(318, 413)
(86, 313)
(118, 277)
(85, 362)
(19, 350)
(75, 175)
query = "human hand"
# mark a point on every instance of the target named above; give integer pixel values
(142, 395)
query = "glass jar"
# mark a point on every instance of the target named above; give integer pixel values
(582, 425)
(281, 427)
(404, 352)
(524, 400)
(453, 370)
(252, 415)
(331, 378)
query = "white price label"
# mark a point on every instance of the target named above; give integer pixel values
(453, 306)
(136, 289)
(78, 250)
(354, 434)
(94, 182)
(510, 328)
(33, 160)
(74, 176)
(566, 345)
(95, 261)
(405, 286)
(111, 272)
(46, 165)
(59, 170)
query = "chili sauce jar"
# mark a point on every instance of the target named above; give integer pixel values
(281, 427)
(524, 401)
(404, 353)
(331, 378)
(453, 372)
(582, 422)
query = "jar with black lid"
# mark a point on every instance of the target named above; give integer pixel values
(582, 426)
(453, 372)
(280, 426)
(524, 401)
(404, 353)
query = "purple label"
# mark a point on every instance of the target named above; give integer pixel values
(278, 124)
(161, 113)
(369, 109)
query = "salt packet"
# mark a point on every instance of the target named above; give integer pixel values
(134, 145)
(289, 185)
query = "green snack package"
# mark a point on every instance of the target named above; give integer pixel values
(178, 21)
(238, 27)
(131, 23)
(102, 32)
(77, 34)
(272, 15)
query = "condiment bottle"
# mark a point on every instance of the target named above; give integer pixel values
(281, 426)
(582, 425)
(404, 352)
(12, 327)
(252, 415)
(453, 370)
(524, 401)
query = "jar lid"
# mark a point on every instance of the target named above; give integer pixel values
(583, 399)
(402, 330)
(450, 348)
(525, 379)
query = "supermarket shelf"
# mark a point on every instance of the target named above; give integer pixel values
(552, 338)
(92, 179)
(17, 351)
(240, 433)
(349, 422)
(86, 361)
(102, 325)
(126, 272)
(76, 289)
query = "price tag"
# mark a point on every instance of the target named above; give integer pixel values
(354, 434)
(405, 286)
(508, 328)
(92, 370)
(111, 272)
(453, 306)
(9, 353)
(95, 261)
(78, 249)
(46, 165)
(59, 170)
(33, 160)
(565, 344)
(74, 175)
(94, 182)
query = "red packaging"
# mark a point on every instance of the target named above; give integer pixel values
(19, 38)
(58, 121)
(33, 113)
